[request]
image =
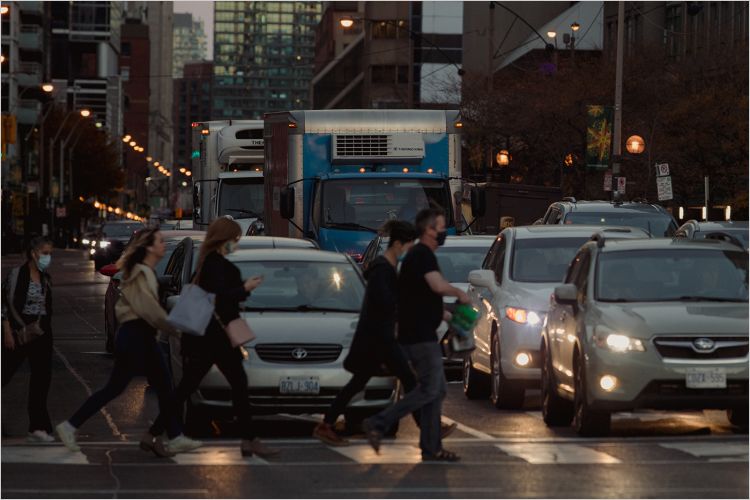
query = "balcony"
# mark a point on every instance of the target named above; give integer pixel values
(31, 7)
(28, 111)
(29, 74)
(30, 37)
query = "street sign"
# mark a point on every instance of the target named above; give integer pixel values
(662, 169)
(664, 188)
(621, 183)
(608, 180)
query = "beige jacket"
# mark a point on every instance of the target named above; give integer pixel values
(139, 299)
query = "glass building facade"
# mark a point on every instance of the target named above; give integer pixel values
(263, 57)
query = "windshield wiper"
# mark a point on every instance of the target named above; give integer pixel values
(309, 308)
(702, 298)
(352, 225)
(242, 210)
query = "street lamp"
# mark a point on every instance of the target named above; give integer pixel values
(503, 158)
(48, 87)
(85, 113)
(635, 145)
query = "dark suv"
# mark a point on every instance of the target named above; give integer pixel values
(111, 241)
(650, 217)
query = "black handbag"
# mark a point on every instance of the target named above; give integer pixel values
(27, 332)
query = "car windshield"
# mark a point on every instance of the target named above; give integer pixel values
(120, 230)
(672, 274)
(457, 262)
(657, 224)
(346, 204)
(241, 198)
(303, 286)
(543, 260)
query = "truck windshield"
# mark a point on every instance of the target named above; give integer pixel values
(241, 198)
(371, 202)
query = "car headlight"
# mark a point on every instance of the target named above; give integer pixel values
(617, 342)
(85, 241)
(103, 244)
(522, 316)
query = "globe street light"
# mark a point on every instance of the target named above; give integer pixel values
(635, 145)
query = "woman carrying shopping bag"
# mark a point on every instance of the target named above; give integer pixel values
(27, 332)
(216, 275)
(140, 316)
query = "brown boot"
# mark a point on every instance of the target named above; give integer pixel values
(250, 447)
(155, 445)
(325, 433)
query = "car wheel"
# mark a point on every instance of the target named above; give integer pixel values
(555, 410)
(475, 383)
(739, 418)
(587, 422)
(504, 393)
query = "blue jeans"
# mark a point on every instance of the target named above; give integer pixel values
(427, 397)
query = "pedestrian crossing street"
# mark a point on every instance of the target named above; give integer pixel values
(310, 452)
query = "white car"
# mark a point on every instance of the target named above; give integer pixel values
(304, 316)
(512, 293)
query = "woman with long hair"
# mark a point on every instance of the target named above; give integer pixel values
(27, 331)
(140, 316)
(215, 274)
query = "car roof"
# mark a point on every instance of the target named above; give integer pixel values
(182, 233)
(576, 231)
(610, 206)
(469, 240)
(247, 242)
(286, 254)
(667, 243)
(719, 225)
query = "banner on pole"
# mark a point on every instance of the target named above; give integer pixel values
(598, 136)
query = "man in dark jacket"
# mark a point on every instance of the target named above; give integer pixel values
(374, 350)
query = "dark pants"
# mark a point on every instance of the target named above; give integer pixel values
(39, 352)
(135, 352)
(195, 366)
(397, 365)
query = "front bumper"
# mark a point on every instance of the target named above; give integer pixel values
(516, 338)
(647, 381)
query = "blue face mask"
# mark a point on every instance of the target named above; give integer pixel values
(43, 262)
(401, 257)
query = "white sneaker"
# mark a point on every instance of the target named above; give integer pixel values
(67, 434)
(39, 436)
(182, 444)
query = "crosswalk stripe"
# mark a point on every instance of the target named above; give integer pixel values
(714, 451)
(216, 455)
(537, 453)
(389, 454)
(42, 455)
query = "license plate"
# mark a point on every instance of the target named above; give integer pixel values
(706, 378)
(299, 385)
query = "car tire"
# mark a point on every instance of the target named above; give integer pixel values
(738, 417)
(587, 422)
(476, 384)
(556, 411)
(504, 394)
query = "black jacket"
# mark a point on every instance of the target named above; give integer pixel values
(19, 297)
(375, 338)
(221, 277)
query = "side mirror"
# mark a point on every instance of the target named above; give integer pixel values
(478, 202)
(566, 294)
(286, 203)
(109, 270)
(483, 278)
(171, 301)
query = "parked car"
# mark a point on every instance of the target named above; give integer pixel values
(512, 291)
(695, 230)
(304, 315)
(647, 216)
(659, 324)
(172, 240)
(111, 241)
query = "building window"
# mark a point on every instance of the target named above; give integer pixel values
(391, 28)
(125, 73)
(383, 74)
(125, 49)
(403, 74)
(672, 33)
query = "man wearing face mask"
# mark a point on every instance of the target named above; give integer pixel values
(420, 311)
(27, 332)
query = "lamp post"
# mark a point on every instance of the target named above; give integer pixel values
(84, 113)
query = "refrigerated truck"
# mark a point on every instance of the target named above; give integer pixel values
(336, 176)
(228, 171)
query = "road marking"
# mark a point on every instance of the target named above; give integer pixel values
(500, 489)
(42, 455)
(466, 429)
(150, 493)
(110, 421)
(715, 452)
(216, 455)
(389, 454)
(557, 454)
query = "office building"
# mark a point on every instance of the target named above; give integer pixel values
(263, 57)
(192, 96)
(188, 41)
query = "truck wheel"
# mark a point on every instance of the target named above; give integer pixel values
(587, 422)
(504, 394)
(476, 384)
(557, 412)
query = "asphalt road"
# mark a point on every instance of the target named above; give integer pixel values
(504, 454)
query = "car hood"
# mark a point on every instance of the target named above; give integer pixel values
(302, 327)
(644, 320)
(531, 296)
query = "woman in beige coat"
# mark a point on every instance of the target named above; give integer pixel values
(140, 316)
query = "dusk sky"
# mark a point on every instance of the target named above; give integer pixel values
(204, 10)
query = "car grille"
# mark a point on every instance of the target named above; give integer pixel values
(299, 353)
(686, 348)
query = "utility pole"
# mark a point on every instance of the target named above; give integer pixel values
(617, 152)
(490, 75)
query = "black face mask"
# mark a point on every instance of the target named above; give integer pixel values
(441, 238)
